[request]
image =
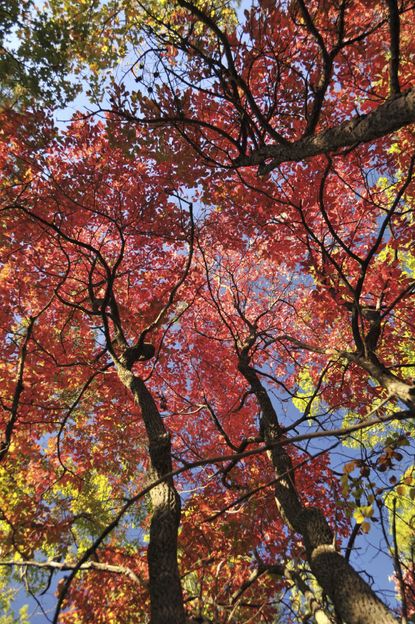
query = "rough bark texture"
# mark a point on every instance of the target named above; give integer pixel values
(352, 597)
(166, 596)
(397, 112)
(314, 606)
(395, 386)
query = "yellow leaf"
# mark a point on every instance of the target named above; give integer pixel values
(358, 516)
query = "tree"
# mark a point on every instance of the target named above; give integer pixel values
(162, 305)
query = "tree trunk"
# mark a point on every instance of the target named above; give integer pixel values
(166, 596)
(395, 386)
(353, 599)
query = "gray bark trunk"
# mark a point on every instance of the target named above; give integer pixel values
(166, 596)
(352, 597)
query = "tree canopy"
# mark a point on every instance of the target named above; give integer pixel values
(207, 283)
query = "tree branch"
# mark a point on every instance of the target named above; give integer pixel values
(398, 111)
(64, 566)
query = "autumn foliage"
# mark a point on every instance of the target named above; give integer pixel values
(206, 320)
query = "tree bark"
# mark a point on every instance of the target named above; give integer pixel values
(352, 597)
(316, 610)
(166, 596)
(395, 386)
(398, 111)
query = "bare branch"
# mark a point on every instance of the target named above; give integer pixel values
(64, 566)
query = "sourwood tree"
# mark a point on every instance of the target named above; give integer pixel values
(207, 326)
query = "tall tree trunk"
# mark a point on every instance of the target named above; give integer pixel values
(166, 596)
(353, 599)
